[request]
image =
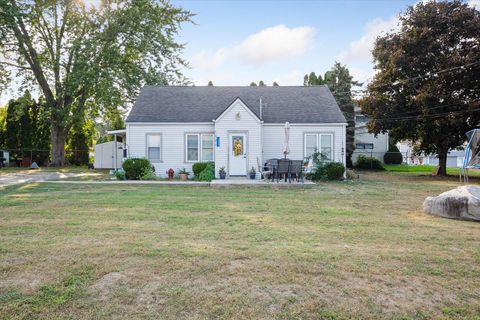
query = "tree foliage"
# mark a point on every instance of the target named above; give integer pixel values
(340, 83)
(27, 129)
(427, 86)
(81, 58)
(253, 84)
(275, 84)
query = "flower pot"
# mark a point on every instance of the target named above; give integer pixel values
(183, 176)
(253, 175)
(222, 176)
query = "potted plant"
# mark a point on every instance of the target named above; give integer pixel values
(183, 173)
(222, 173)
(252, 173)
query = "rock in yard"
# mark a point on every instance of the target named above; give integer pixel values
(462, 203)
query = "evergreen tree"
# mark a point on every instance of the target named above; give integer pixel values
(210, 83)
(262, 84)
(275, 84)
(253, 84)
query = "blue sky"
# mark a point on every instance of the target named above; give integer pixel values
(236, 42)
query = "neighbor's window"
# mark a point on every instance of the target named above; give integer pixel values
(154, 143)
(364, 146)
(199, 147)
(322, 142)
(360, 118)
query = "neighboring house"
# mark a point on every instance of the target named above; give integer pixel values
(367, 143)
(454, 158)
(175, 127)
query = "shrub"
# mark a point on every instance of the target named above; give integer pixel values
(328, 171)
(334, 170)
(368, 163)
(120, 174)
(148, 173)
(393, 156)
(198, 167)
(207, 174)
(135, 167)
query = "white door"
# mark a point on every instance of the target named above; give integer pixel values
(238, 154)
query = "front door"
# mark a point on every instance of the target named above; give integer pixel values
(238, 154)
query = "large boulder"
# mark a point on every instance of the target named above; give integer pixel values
(461, 203)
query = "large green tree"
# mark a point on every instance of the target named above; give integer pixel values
(340, 83)
(88, 57)
(27, 128)
(427, 85)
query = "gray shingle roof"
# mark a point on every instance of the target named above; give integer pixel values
(299, 104)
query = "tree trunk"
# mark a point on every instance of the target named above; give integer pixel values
(58, 136)
(442, 163)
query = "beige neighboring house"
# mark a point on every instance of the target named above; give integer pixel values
(367, 143)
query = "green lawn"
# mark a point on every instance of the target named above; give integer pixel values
(427, 169)
(350, 250)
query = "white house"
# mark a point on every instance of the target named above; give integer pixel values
(175, 127)
(367, 143)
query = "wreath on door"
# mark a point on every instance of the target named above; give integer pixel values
(237, 147)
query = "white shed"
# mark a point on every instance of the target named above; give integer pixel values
(105, 155)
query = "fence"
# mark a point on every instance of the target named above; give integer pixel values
(24, 157)
(408, 157)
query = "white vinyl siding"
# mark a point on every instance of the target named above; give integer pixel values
(199, 147)
(238, 119)
(173, 143)
(273, 137)
(154, 145)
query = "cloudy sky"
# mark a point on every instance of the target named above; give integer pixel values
(236, 42)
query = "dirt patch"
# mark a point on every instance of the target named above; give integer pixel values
(24, 283)
(104, 288)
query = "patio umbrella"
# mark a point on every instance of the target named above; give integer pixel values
(286, 148)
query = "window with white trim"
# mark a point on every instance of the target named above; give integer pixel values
(322, 142)
(199, 147)
(364, 146)
(154, 145)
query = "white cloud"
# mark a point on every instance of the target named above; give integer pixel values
(293, 78)
(474, 4)
(361, 49)
(275, 43)
(207, 61)
(268, 45)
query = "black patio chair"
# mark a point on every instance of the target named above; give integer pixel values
(283, 168)
(296, 170)
(273, 163)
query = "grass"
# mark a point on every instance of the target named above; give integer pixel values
(427, 169)
(337, 251)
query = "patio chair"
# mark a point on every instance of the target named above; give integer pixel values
(296, 170)
(283, 168)
(310, 166)
(264, 170)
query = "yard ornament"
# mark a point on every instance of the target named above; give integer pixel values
(472, 154)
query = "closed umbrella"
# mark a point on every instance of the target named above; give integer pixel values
(286, 148)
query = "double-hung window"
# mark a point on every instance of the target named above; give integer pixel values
(321, 142)
(199, 147)
(154, 145)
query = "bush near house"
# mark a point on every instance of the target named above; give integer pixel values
(328, 171)
(393, 156)
(135, 168)
(207, 174)
(198, 167)
(368, 163)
